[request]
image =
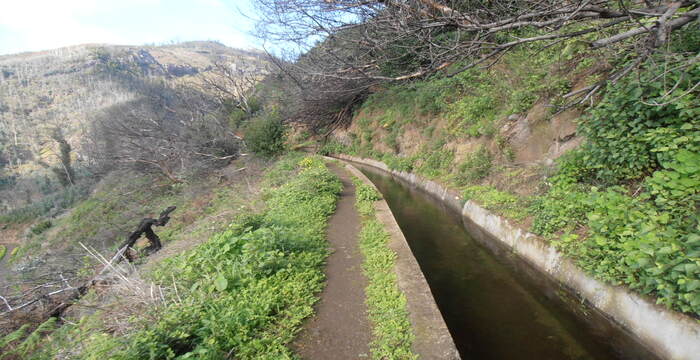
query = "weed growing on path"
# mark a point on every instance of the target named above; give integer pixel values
(391, 329)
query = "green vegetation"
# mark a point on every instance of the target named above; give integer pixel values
(41, 227)
(23, 343)
(392, 333)
(399, 163)
(245, 291)
(434, 160)
(623, 205)
(475, 167)
(493, 199)
(631, 193)
(55, 202)
(3, 250)
(627, 138)
(265, 134)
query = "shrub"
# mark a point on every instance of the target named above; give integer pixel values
(334, 147)
(399, 163)
(620, 131)
(266, 134)
(493, 199)
(475, 167)
(60, 200)
(41, 227)
(434, 161)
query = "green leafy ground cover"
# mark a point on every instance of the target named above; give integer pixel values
(627, 200)
(392, 334)
(243, 293)
(624, 205)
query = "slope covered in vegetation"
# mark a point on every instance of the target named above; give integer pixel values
(242, 293)
(623, 203)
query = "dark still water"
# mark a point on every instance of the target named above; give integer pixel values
(495, 305)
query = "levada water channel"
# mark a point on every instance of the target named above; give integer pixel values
(495, 305)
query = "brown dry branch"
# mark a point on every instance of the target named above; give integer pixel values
(342, 48)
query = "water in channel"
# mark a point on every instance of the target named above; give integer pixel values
(495, 305)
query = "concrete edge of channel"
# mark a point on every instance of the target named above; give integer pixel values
(669, 334)
(432, 337)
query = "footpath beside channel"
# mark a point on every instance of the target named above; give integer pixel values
(669, 334)
(339, 329)
(432, 337)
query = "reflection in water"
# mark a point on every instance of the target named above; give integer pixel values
(497, 307)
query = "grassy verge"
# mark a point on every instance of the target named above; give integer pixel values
(242, 294)
(623, 205)
(392, 335)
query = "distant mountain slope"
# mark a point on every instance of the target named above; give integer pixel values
(66, 88)
(63, 87)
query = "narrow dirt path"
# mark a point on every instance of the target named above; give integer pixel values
(340, 329)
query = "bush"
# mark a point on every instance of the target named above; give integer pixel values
(41, 227)
(334, 147)
(434, 160)
(626, 137)
(399, 163)
(643, 233)
(266, 134)
(475, 167)
(499, 201)
(55, 202)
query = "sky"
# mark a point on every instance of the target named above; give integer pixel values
(32, 25)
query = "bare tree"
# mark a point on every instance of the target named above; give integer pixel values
(64, 170)
(370, 41)
(232, 82)
(171, 130)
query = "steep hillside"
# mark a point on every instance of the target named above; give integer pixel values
(613, 182)
(65, 88)
(95, 137)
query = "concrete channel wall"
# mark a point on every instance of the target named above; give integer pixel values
(669, 334)
(432, 337)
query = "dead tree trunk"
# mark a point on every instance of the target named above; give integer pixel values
(144, 228)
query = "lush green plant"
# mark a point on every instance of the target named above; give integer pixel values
(19, 343)
(476, 166)
(643, 234)
(60, 200)
(392, 334)
(493, 199)
(622, 131)
(434, 161)
(562, 208)
(245, 291)
(632, 242)
(3, 250)
(334, 147)
(365, 192)
(266, 134)
(41, 227)
(399, 163)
